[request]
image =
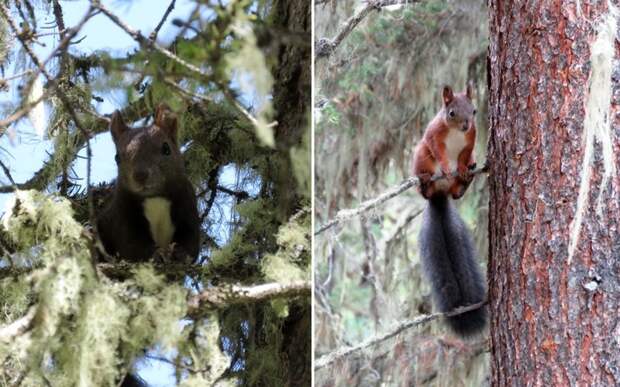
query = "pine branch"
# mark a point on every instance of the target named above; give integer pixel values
(150, 44)
(227, 295)
(218, 297)
(349, 213)
(23, 111)
(53, 83)
(325, 46)
(60, 21)
(340, 353)
(133, 112)
(67, 35)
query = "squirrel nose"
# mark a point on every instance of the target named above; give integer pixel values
(140, 176)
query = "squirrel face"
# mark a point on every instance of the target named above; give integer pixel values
(148, 158)
(458, 109)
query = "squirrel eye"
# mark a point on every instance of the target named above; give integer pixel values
(451, 113)
(165, 149)
(117, 158)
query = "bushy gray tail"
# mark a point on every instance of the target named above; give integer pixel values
(448, 261)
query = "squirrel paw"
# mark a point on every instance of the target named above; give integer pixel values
(463, 172)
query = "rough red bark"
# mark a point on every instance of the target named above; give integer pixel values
(554, 281)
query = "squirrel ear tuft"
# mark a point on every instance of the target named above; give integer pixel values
(166, 120)
(117, 125)
(447, 95)
(469, 90)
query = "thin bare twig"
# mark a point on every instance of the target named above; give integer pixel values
(7, 173)
(23, 111)
(229, 96)
(153, 35)
(52, 82)
(401, 225)
(145, 42)
(132, 112)
(15, 76)
(186, 93)
(331, 357)
(346, 214)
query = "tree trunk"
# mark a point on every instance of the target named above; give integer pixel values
(554, 221)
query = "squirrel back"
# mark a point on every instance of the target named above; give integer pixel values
(448, 260)
(153, 204)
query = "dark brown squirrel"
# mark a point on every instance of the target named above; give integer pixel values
(153, 208)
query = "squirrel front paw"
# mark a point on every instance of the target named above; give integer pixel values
(464, 173)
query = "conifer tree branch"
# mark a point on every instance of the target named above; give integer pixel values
(341, 353)
(325, 46)
(227, 295)
(218, 297)
(148, 43)
(134, 111)
(349, 213)
(52, 81)
(23, 111)
(62, 46)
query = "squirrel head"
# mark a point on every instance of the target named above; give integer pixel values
(148, 158)
(458, 109)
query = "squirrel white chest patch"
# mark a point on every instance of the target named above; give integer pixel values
(157, 212)
(455, 142)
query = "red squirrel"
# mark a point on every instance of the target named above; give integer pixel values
(448, 145)
(153, 207)
(447, 251)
